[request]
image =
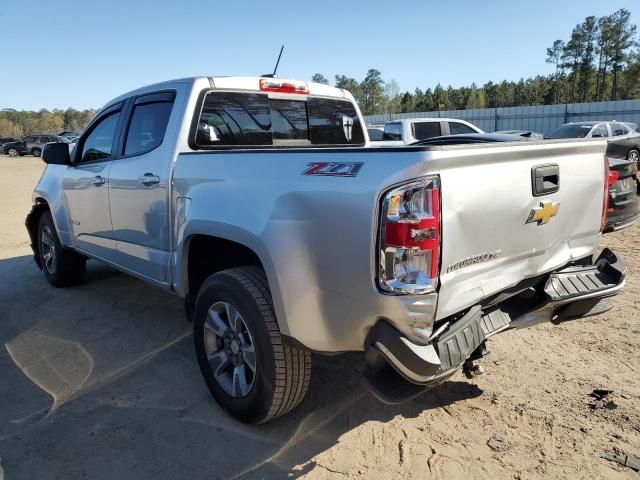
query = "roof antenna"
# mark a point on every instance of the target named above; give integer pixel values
(273, 75)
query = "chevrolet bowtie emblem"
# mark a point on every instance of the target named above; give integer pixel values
(543, 213)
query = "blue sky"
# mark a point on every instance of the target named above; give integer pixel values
(82, 53)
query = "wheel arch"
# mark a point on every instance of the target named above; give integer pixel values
(204, 254)
(32, 221)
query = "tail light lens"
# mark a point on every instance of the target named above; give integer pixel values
(605, 193)
(410, 238)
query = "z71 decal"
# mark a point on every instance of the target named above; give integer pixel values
(333, 169)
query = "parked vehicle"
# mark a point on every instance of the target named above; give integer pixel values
(624, 202)
(410, 130)
(69, 134)
(258, 201)
(624, 137)
(522, 133)
(31, 145)
(4, 140)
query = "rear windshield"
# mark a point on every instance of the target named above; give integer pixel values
(254, 120)
(570, 131)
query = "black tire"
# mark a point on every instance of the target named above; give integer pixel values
(12, 152)
(282, 372)
(36, 152)
(67, 267)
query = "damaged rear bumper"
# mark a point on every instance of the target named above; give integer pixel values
(570, 293)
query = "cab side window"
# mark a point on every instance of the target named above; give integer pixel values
(148, 123)
(99, 143)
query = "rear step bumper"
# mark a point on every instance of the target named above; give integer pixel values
(571, 293)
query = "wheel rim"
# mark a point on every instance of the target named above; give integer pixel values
(36, 153)
(13, 152)
(48, 250)
(633, 155)
(230, 349)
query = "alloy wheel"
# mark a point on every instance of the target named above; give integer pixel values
(230, 349)
(48, 250)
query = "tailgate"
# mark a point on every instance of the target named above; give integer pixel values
(496, 232)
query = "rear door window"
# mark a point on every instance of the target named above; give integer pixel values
(424, 130)
(254, 119)
(617, 129)
(456, 128)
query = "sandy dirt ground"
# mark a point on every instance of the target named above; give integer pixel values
(100, 381)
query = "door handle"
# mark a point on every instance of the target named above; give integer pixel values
(98, 180)
(149, 179)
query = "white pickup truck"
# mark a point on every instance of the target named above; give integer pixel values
(258, 201)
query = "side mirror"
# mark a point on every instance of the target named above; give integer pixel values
(56, 154)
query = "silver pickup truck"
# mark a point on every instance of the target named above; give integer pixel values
(258, 201)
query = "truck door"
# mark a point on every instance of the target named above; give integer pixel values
(86, 184)
(139, 185)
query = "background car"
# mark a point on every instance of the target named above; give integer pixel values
(4, 140)
(69, 134)
(624, 138)
(624, 203)
(31, 145)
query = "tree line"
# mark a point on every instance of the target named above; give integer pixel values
(599, 61)
(19, 123)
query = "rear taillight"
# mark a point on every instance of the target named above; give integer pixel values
(410, 237)
(605, 193)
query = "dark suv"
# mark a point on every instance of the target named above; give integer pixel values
(31, 145)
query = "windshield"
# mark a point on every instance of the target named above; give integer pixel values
(570, 131)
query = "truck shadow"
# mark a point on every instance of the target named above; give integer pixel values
(101, 381)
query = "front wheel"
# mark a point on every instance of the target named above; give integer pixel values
(12, 152)
(36, 152)
(61, 267)
(247, 366)
(635, 156)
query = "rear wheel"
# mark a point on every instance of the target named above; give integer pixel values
(61, 267)
(635, 156)
(247, 366)
(36, 152)
(12, 152)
